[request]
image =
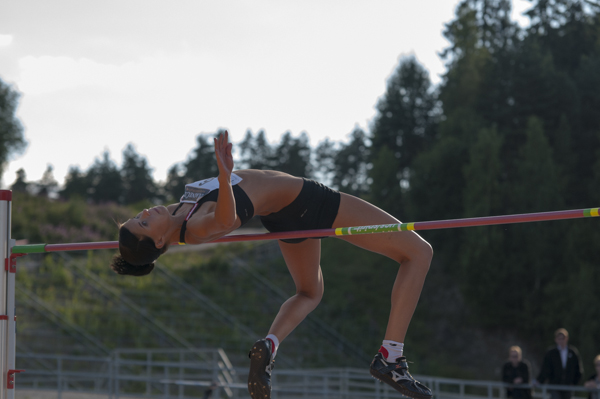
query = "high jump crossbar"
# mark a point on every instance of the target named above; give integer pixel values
(342, 231)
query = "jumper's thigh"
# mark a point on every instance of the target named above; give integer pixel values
(399, 246)
(303, 261)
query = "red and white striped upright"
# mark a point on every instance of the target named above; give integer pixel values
(7, 301)
(5, 200)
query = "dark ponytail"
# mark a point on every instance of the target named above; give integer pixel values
(121, 266)
(137, 256)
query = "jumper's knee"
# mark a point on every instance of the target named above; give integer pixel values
(421, 252)
(311, 298)
(426, 251)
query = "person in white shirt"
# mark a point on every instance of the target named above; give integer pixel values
(561, 366)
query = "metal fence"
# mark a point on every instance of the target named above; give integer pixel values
(131, 373)
(183, 374)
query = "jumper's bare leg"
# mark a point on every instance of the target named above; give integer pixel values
(407, 248)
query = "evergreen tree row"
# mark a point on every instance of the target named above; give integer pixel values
(342, 165)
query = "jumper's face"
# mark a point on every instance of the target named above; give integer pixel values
(597, 365)
(151, 223)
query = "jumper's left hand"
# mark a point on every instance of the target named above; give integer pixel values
(223, 153)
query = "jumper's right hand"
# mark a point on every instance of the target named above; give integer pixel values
(224, 157)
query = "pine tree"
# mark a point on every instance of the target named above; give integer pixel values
(351, 163)
(256, 152)
(466, 60)
(20, 184)
(404, 126)
(586, 123)
(137, 177)
(174, 186)
(386, 192)
(483, 273)
(325, 154)
(105, 181)
(405, 115)
(595, 182)
(495, 30)
(76, 184)
(535, 252)
(48, 185)
(293, 155)
(201, 164)
(483, 175)
(537, 181)
(11, 130)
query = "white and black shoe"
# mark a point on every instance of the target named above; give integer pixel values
(397, 376)
(261, 364)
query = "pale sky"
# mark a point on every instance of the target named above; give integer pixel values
(97, 75)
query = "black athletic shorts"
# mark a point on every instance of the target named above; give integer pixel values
(316, 207)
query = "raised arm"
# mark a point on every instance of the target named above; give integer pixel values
(215, 224)
(225, 210)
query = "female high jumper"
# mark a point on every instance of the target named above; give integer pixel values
(212, 208)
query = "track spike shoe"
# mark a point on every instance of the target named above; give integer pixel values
(397, 376)
(261, 364)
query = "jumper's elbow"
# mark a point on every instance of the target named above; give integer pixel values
(226, 225)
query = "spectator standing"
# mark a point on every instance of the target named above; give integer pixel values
(561, 366)
(594, 381)
(516, 371)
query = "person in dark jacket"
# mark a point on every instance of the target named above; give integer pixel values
(561, 366)
(516, 371)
